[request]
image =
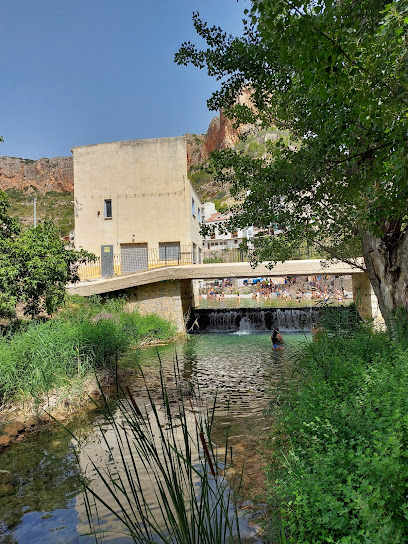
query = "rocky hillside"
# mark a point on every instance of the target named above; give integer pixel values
(44, 175)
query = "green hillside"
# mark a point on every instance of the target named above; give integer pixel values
(51, 205)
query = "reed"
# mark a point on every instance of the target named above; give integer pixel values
(87, 335)
(169, 439)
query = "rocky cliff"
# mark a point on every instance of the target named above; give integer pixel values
(45, 175)
(221, 134)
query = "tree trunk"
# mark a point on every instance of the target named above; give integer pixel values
(387, 269)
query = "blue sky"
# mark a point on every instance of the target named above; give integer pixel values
(77, 72)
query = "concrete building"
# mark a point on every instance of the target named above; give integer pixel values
(219, 240)
(133, 199)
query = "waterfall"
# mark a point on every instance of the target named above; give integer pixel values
(252, 319)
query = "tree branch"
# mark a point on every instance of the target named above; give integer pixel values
(353, 264)
(365, 152)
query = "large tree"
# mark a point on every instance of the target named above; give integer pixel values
(335, 74)
(35, 266)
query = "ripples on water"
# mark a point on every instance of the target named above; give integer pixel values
(40, 500)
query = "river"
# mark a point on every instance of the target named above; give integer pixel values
(40, 498)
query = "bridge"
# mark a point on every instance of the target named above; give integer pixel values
(169, 291)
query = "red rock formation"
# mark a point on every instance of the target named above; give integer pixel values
(221, 133)
(195, 149)
(45, 175)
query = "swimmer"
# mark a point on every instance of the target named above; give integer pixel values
(277, 340)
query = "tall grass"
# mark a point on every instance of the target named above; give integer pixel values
(87, 335)
(340, 469)
(168, 440)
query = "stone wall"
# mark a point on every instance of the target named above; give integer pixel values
(170, 300)
(365, 299)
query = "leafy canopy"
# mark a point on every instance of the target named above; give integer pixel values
(35, 266)
(335, 74)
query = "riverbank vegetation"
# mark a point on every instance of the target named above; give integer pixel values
(87, 336)
(340, 468)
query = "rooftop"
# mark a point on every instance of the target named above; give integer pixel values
(218, 217)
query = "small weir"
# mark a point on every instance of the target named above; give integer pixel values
(251, 319)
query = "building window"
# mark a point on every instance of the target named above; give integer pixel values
(193, 206)
(108, 209)
(199, 215)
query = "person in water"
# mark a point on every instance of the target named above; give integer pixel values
(277, 340)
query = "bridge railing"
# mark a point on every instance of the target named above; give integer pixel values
(143, 259)
(139, 260)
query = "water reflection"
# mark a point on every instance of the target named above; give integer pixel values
(40, 499)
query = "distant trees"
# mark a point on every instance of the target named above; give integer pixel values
(35, 266)
(335, 75)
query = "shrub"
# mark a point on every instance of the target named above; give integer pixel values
(343, 432)
(88, 335)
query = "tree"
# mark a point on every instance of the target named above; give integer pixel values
(35, 266)
(334, 73)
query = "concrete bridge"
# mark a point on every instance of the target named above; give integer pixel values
(169, 291)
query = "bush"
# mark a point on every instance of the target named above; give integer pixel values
(344, 434)
(87, 335)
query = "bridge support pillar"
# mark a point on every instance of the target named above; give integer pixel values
(170, 299)
(365, 299)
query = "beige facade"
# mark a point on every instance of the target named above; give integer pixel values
(135, 196)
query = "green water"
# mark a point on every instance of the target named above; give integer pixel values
(40, 498)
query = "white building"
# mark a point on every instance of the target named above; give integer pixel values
(218, 240)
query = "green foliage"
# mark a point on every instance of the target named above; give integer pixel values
(87, 335)
(220, 206)
(333, 74)
(35, 266)
(213, 259)
(52, 204)
(339, 474)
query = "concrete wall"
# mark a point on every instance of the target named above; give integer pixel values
(147, 182)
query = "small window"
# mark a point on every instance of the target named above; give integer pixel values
(108, 209)
(193, 206)
(199, 215)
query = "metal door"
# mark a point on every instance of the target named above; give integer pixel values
(107, 261)
(134, 257)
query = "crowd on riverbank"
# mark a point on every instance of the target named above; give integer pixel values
(302, 288)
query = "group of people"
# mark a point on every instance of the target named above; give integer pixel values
(216, 296)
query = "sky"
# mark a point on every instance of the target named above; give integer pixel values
(80, 72)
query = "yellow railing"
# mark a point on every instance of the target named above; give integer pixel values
(173, 256)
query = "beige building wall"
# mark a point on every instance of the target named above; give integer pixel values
(150, 193)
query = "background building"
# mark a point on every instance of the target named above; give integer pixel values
(219, 240)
